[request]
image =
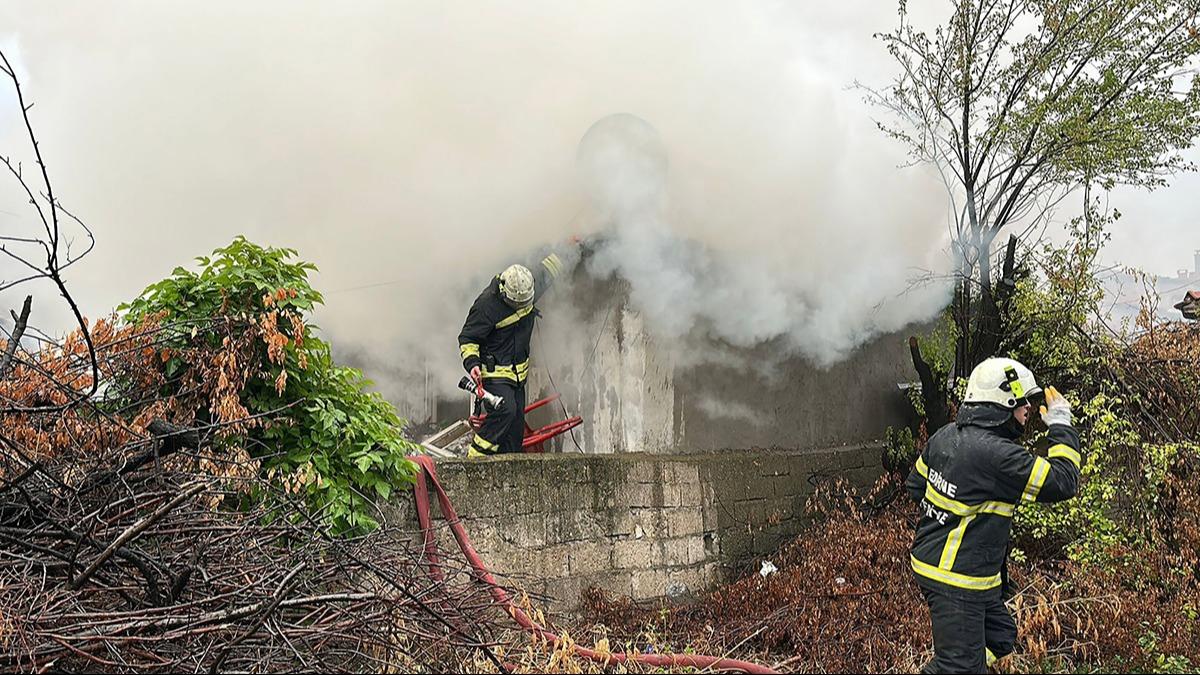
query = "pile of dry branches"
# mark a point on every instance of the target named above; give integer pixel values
(145, 575)
(129, 541)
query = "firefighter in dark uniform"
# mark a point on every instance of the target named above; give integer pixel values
(969, 481)
(494, 344)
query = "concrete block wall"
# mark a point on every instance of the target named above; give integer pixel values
(643, 525)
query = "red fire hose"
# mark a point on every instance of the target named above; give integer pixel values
(421, 494)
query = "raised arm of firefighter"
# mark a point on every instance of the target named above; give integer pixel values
(1023, 476)
(546, 272)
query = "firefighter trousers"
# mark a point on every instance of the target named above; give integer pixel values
(504, 428)
(970, 628)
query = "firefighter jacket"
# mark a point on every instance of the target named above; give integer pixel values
(495, 336)
(969, 481)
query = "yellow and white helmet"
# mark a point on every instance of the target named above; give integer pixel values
(516, 285)
(1002, 381)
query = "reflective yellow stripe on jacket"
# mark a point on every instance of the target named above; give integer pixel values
(514, 317)
(953, 543)
(962, 510)
(1037, 478)
(1067, 451)
(516, 373)
(956, 507)
(953, 578)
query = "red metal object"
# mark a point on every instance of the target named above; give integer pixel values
(535, 438)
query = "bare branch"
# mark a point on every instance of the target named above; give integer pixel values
(14, 338)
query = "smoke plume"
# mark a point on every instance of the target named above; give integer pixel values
(413, 149)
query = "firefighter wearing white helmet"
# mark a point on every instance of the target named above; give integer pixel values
(969, 481)
(516, 285)
(494, 345)
(1002, 381)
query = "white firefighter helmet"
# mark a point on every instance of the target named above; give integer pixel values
(516, 284)
(1002, 381)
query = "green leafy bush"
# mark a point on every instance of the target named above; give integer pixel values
(321, 432)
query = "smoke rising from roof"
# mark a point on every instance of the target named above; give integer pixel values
(411, 150)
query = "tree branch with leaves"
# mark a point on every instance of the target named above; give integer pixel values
(1018, 103)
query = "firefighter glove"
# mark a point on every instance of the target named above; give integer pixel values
(1057, 409)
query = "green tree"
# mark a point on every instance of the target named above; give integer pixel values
(1017, 103)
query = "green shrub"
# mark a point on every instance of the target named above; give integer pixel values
(243, 317)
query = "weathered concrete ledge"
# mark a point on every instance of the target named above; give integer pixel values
(646, 525)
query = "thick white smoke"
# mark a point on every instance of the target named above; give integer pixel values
(412, 149)
(821, 300)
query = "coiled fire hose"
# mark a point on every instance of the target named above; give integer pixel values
(421, 495)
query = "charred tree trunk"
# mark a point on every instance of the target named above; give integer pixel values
(962, 321)
(933, 392)
(982, 325)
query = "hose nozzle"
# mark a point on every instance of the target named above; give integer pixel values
(493, 401)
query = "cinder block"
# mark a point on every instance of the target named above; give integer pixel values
(649, 584)
(636, 554)
(565, 593)
(697, 551)
(504, 478)
(777, 511)
(651, 521)
(676, 551)
(853, 458)
(822, 462)
(567, 495)
(452, 475)
(672, 496)
(559, 473)
(766, 542)
(776, 469)
(622, 522)
(508, 559)
(645, 471)
(750, 512)
(550, 561)
(576, 525)
(736, 544)
(633, 494)
(617, 582)
(483, 503)
(523, 500)
(636, 522)
(686, 473)
(589, 558)
(784, 485)
(684, 521)
(691, 494)
(525, 531)
(863, 477)
(582, 472)
(690, 580)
